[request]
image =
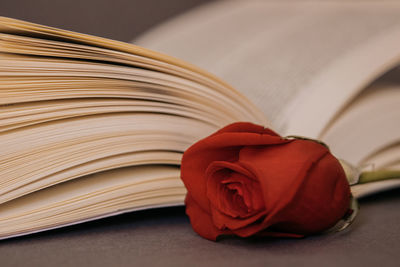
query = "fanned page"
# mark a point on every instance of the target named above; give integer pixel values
(91, 127)
(368, 124)
(298, 61)
(92, 197)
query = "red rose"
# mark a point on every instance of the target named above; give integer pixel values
(246, 180)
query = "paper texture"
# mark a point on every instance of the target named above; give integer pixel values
(300, 62)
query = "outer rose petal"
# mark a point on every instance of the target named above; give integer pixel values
(279, 234)
(320, 202)
(201, 221)
(237, 225)
(246, 127)
(281, 169)
(303, 198)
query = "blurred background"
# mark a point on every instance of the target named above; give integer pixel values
(117, 19)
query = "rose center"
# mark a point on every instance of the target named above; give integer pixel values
(236, 198)
(233, 193)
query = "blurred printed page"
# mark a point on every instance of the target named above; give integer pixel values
(300, 62)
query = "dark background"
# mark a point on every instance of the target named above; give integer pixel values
(116, 19)
(164, 237)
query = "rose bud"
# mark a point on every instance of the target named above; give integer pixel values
(246, 180)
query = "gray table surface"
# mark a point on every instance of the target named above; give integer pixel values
(163, 237)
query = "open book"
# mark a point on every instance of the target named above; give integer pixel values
(91, 127)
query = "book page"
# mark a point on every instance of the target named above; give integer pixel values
(67, 149)
(367, 125)
(91, 197)
(385, 158)
(364, 190)
(300, 62)
(47, 41)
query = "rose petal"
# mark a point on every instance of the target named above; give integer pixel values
(246, 127)
(222, 221)
(229, 166)
(279, 234)
(221, 197)
(201, 221)
(241, 192)
(221, 172)
(322, 200)
(270, 165)
(281, 192)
